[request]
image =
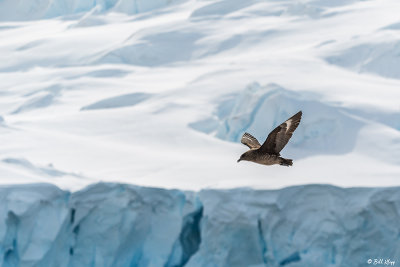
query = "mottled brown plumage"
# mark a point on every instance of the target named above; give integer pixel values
(269, 152)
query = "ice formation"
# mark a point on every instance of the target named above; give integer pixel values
(125, 225)
(42, 9)
(109, 91)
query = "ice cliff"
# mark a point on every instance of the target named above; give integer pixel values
(125, 225)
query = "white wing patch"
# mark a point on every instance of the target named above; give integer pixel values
(245, 137)
(288, 123)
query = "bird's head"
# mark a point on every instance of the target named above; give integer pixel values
(244, 156)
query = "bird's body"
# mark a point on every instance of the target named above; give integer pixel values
(269, 152)
(257, 156)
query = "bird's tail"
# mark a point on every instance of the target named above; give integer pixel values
(286, 162)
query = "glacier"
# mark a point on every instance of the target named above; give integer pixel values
(156, 94)
(44, 9)
(143, 91)
(109, 224)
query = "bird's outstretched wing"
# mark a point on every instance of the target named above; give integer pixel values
(280, 136)
(250, 141)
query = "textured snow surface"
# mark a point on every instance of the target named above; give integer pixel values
(42, 9)
(158, 92)
(125, 225)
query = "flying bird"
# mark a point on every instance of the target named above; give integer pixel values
(269, 152)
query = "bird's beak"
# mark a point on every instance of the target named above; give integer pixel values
(238, 160)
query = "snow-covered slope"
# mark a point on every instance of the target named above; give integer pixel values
(125, 225)
(158, 93)
(19, 10)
